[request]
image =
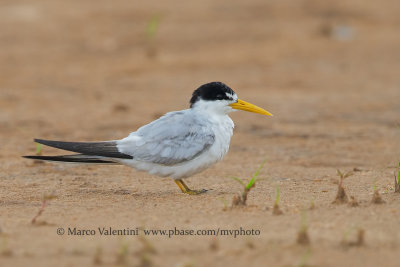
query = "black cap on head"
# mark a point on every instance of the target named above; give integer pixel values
(212, 91)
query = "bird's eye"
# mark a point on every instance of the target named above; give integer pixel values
(220, 97)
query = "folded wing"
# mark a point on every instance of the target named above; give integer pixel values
(175, 138)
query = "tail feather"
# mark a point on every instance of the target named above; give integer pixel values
(107, 149)
(77, 158)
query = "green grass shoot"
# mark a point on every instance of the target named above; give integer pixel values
(253, 180)
(278, 192)
(240, 181)
(398, 175)
(223, 200)
(241, 198)
(152, 26)
(122, 254)
(302, 235)
(38, 149)
(397, 181)
(312, 204)
(359, 240)
(347, 233)
(344, 175)
(97, 258)
(304, 258)
(5, 251)
(304, 219)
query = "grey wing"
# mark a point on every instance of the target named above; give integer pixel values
(174, 138)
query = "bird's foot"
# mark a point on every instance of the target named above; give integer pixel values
(185, 189)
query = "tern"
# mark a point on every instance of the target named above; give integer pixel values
(177, 145)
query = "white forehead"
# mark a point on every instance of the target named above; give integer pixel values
(233, 96)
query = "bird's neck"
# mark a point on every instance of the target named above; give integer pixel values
(211, 108)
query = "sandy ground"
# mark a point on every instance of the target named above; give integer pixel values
(328, 70)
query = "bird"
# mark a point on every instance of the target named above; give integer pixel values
(178, 145)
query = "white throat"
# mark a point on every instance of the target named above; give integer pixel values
(216, 107)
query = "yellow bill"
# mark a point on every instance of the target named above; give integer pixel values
(243, 105)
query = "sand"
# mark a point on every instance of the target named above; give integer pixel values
(328, 71)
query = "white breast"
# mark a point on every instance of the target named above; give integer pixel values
(223, 130)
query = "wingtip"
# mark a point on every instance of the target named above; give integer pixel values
(45, 142)
(29, 157)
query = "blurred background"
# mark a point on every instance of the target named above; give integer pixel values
(79, 69)
(81, 61)
(97, 70)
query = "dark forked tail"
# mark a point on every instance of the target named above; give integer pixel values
(77, 158)
(89, 152)
(105, 149)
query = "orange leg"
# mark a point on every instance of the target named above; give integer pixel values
(185, 189)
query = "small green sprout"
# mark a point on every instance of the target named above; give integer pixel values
(97, 258)
(376, 197)
(303, 220)
(398, 175)
(152, 26)
(312, 204)
(241, 199)
(356, 243)
(302, 235)
(253, 180)
(346, 235)
(277, 195)
(146, 252)
(38, 149)
(341, 196)
(5, 251)
(343, 175)
(122, 255)
(304, 258)
(240, 181)
(397, 181)
(223, 200)
(276, 210)
(151, 31)
(147, 246)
